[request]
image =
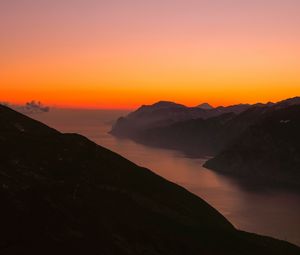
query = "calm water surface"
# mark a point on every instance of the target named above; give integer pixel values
(265, 211)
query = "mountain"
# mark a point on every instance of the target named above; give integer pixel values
(203, 136)
(205, 106)
(157, 115)
(267, 150)
(165, 113)
(163, 105)
(195, 137)
(63, 194)
(289, 102)
(239, 108)
(226, 136)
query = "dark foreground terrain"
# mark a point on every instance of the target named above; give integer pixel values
(63, 194)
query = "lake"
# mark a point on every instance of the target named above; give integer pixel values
(267, 211)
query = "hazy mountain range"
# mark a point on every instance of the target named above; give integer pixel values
(165, 113)
(240, 137)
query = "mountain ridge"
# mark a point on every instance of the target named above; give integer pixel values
(164, 113)
(202, 137)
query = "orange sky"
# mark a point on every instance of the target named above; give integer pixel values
(123, 53)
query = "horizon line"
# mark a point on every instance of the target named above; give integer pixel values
(130, 108)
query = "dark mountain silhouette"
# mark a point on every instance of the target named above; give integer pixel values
(201, 137)
(63, 194)
(195, 137)
(164, 113)
(269, 149)
(289, 102)
(218, 135)
(204, 133)
(233, 108)
(205, 106)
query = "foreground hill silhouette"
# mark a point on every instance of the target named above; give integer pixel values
(63, 194)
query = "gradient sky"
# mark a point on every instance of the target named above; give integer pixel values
(123, 53)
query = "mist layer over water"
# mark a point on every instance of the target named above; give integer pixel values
(265, 211)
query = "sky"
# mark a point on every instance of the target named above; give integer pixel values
(124, 53)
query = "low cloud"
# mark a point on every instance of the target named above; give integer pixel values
(34, 106)
(29, 107)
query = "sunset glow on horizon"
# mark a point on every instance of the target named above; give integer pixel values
(124, 53)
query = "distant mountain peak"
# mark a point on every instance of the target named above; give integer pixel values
(205, 106)
(162, 105)
(166, 104)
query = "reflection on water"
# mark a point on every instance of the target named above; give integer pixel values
(270, 212)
